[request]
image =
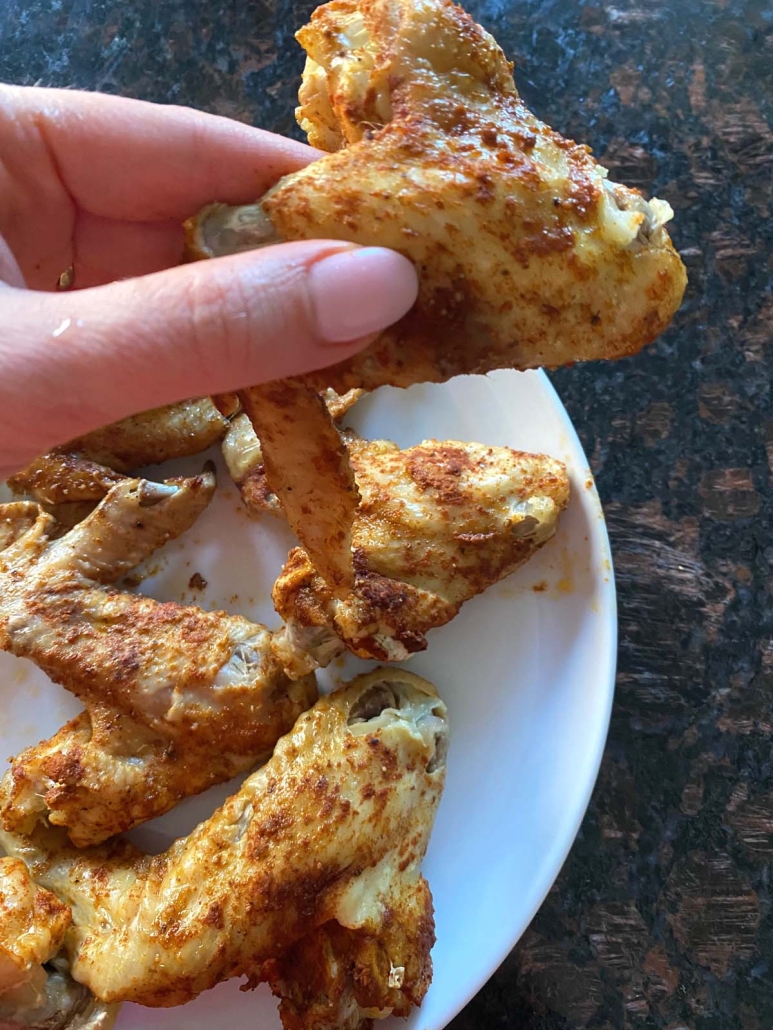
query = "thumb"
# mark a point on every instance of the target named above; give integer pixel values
(76, 361)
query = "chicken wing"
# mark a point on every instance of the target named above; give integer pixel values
(436, 524)
(325, 840)
(84, 469)
(34, 993)
(527, 255)
(32, 925)
(177, 698)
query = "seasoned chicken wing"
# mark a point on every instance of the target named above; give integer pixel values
(177, 698)
(436, 524)
(325, 842)
(84, 469)
(34, 993)
(309, 471)
(527, 255)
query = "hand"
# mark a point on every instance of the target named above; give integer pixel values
(102, 185)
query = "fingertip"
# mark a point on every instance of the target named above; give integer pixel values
(360, 291)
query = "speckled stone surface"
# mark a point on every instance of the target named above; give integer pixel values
(662, 916)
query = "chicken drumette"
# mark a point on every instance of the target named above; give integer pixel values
(318, 853)
(176, 698)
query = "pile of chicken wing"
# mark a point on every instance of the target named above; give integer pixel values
(309, 877)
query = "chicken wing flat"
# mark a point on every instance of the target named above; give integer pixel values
(86, 468)
(176, 698)
(436, 524)
(325, 841)
(33, 992)
(527, 254)
(244, 457)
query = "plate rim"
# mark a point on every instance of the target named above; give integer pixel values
(607, 678)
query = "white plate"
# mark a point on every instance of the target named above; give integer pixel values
(527, 671)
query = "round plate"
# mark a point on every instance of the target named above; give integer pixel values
(527, 671)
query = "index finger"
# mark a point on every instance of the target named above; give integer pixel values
(133, 160)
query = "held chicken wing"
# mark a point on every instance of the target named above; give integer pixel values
(34, 993)
(323, 844)
(436, 524)
(527, 255)
(176, 698)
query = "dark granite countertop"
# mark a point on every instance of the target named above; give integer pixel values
(662, 916)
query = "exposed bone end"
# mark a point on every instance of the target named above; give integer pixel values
(632, 220)
(55, 1002)
(149, 493)
(219, 229)
(391, 697)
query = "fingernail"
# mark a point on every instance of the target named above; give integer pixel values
(361, 291)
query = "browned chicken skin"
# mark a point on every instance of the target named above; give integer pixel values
(527, 255)
(339, 979)
(244, 459)
(326, 840)
(86, 468)
(177, 698)
(32, 925)
(436, 524)
(309, 471)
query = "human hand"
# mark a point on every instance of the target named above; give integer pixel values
(102, 184)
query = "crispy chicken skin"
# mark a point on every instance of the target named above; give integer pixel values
(176, 698)
(436, 524)
(332, 830)
(84, 469)
(339, 979)
(527, 255)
